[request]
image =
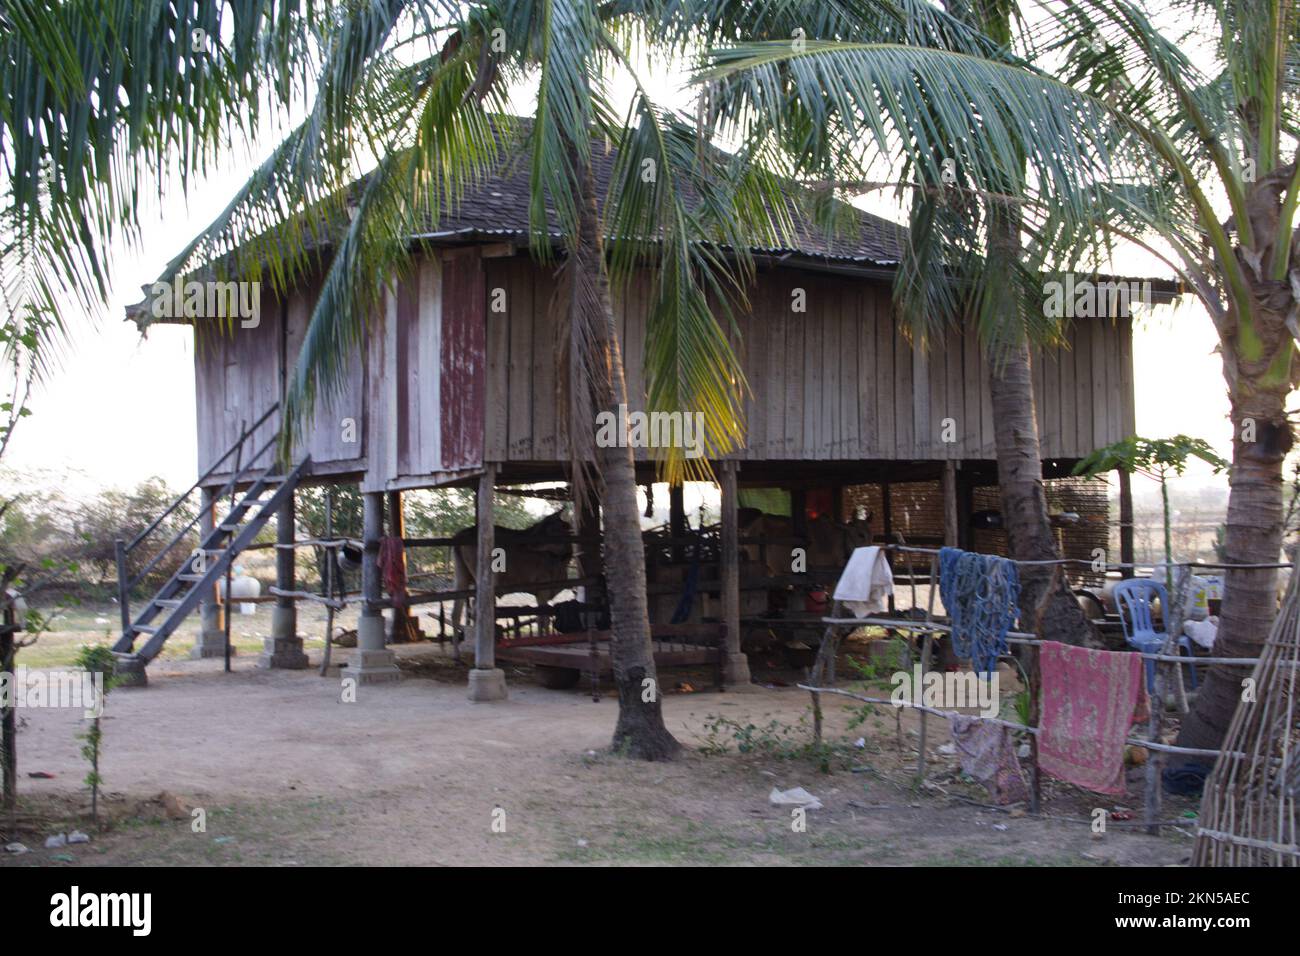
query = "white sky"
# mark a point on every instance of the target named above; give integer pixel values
(120, 408)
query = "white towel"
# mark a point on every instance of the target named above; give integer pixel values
(866, 582)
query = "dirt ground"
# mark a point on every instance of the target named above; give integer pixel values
(413, 773)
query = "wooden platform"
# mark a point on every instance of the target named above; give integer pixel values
(579, 656)
(569, 656)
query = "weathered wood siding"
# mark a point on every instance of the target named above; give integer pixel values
(459, 368)
(462, 363)
(838, 380)
(335, 438)
(241, 372)
(427, 375)
(237, 376)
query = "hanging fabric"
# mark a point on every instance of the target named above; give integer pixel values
(392, 565)
(1089, 700)
(981, 593)
(988, 753)
(866, 583)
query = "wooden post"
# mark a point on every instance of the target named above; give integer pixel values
(951, 528)
(1126, 523)
(926, 647)
(737, 668)
(486, 682)
(212, 612)
(799, 511)
(8, 722)
(677, 519)
(123, 592)
(587, 514)
(965, 505)
(886, 505)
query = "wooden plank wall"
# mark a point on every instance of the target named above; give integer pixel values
(463, 363)
(839, 380)
(427, 374)
(237, 378)
(460, 367)
(338, 418)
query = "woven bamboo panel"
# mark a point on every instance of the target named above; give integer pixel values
(1248, 814)
(916, 512)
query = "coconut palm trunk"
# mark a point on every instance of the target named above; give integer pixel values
(1261, 440)
(1024, 506)
(640, 731)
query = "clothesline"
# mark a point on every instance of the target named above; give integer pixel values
(1110, 566)
(1135, 741)
(1019, 637)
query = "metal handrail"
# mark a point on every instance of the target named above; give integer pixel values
(123, 550)
(227, 487)
(203, 477)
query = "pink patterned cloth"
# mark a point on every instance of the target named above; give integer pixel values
(988, 753)
(1089, 700)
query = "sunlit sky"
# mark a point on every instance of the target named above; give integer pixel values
(120, 408)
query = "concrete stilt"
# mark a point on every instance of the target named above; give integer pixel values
(129, 671)
(283, 649)
(486, 681)
(735, 673)
(372, 662)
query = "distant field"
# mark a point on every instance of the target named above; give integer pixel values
(99, 624)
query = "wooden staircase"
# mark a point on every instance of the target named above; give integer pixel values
(196, 576)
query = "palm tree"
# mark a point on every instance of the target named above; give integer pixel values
(98, 95)
(964, 261)
(1127, 142)
(425, 91)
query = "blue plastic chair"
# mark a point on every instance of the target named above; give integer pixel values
(1135, 596)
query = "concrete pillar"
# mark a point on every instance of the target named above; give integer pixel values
(372, 662)
(403, 627)
(736, 672)
(129, 671)
(486, 681)
(283, 649)
(212, 628)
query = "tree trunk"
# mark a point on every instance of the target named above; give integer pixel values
(1024, 506)
(1254, 536)
(640, 731)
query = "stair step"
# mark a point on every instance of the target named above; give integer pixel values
(246, 516)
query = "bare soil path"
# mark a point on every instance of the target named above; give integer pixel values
(413, 773)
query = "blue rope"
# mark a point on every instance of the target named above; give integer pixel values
(981, 594)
